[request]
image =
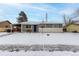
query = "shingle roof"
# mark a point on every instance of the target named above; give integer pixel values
(33, 23)
(6, 21)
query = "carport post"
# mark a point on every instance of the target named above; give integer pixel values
(21, 27)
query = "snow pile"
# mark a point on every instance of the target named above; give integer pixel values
(38, 53)
(50, 48)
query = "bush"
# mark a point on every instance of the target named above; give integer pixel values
(74, 31)
(64, 30)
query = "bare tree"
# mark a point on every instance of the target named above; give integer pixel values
(64, 17)
(69, 19)
(75, 14)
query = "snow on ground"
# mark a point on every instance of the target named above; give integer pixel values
(41, 38)
(2, 33)
(38, 53)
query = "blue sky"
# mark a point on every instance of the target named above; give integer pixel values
(37, 11)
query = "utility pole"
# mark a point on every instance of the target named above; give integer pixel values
(42, 24)
(46, 17)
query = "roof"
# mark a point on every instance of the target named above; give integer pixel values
(36, 23)
(76, 18)
(6, 21)
(30, 23)
(76, 22)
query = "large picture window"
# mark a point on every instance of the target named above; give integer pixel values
(51, 25)
(27, 26)
(48, 25)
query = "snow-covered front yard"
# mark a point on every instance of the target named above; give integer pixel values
(40, 39)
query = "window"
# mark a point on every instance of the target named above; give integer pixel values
(6, 26)
(42, 25)
(48, 25)
(51, 25)
(28, 26)
(60, 25)
(57, 25)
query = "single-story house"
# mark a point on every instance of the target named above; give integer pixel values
(41, 27)
(31, 26)
(73, 27)
(4, 25)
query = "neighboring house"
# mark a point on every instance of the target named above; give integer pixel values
(4, 25)
(41, 27)
(73, 27)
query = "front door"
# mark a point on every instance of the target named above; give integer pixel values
(35, 28)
